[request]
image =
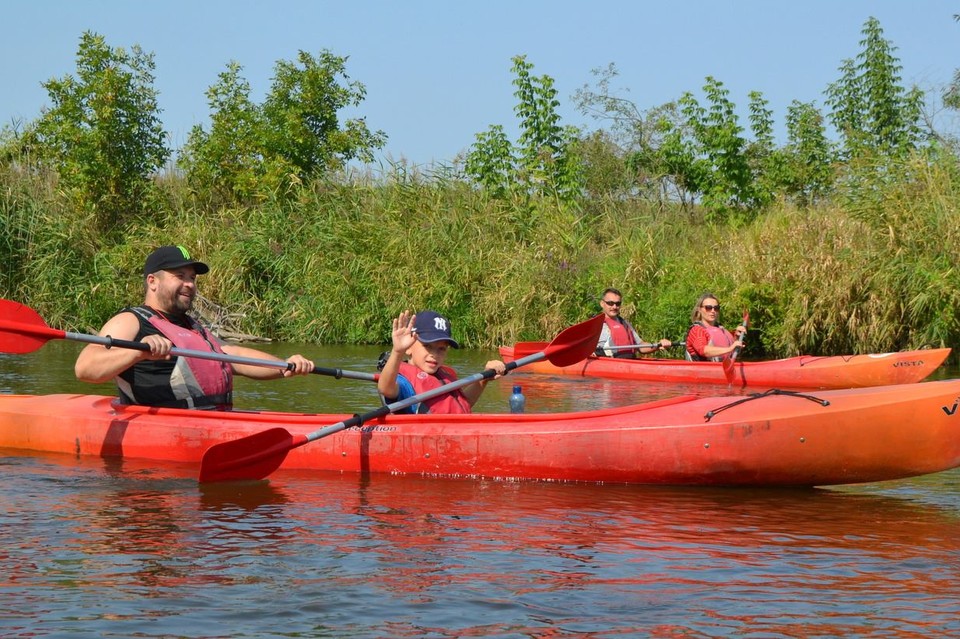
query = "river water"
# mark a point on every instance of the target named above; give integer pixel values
(107, 548)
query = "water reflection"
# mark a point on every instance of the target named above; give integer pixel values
(556, 548)
(100, 547)
(442, 557)
(236, 498)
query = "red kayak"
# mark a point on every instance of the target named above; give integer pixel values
(804, 371)
(775, 438)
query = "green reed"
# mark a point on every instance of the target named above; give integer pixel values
(872, 270)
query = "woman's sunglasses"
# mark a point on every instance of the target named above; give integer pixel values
(710, 307)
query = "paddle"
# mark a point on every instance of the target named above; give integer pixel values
(636, 346)
(258, 455)
(24, 331)
(521, 349)
(746, 320)
(729, 361)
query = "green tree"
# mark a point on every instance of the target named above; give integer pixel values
(650, 145)
(951, 97)
(226, 163)
(258, 151)
(606, 173)
(544, 160)
(102, 134)
(547, 154)
(872, 111)
(302, 120)
(707, 155)
(491, 162)
(678, 159)
(806, 172)
(762, 156)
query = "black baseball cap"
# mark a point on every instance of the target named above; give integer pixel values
(167, 257)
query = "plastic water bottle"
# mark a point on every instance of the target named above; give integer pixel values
(518, 402)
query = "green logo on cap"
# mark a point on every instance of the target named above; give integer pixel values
(184, 252)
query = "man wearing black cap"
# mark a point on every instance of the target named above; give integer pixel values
(154, 377)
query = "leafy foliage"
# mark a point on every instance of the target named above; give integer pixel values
(263, 151)
(544, 160)
(226, 163)
(712, 160)
(102, 134)
(951, 95)
(871, 110)
(301, 114)
(805, 173)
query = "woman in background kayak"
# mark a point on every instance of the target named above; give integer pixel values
(707, 340)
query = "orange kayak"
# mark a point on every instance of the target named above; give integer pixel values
(769, 439)
(804, 371)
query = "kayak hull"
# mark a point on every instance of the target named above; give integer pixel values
(847, 436)
(804, 371)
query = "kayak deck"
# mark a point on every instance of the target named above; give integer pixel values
(804, 371)
(777, 439)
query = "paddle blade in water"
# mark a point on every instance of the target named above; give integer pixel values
(22, 330)
(252, 457)
(575, 343)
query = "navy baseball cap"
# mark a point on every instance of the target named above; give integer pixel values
(167, 257)
(431, 327)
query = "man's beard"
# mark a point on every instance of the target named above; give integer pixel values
(178, 305)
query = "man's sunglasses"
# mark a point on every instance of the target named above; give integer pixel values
(609, 303)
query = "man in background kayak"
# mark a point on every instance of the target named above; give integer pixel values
(617, 335)
(154, 377)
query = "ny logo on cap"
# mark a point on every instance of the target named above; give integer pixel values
(440, 324)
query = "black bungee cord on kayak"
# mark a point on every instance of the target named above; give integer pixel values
(773, 391)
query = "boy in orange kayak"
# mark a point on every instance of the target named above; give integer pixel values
(425, 339)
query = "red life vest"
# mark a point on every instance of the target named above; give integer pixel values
(620, 332)
(719, 336)
(454, 402)
(180, 382)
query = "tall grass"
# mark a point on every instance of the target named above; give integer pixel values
(873, 270)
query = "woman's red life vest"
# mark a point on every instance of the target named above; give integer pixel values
(719, 336)
(450, 403)
(180, 382)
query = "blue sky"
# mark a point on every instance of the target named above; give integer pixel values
(438, 72)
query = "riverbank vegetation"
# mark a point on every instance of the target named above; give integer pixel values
(843, 239)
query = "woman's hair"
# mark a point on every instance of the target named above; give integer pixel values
(695, 314)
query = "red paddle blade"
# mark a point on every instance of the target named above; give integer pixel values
(22, 330)
(576, 343)
(248, 458)
(522, 349)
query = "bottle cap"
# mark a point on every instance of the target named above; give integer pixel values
(516, 389)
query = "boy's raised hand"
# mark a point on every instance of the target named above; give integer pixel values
(404, 335)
